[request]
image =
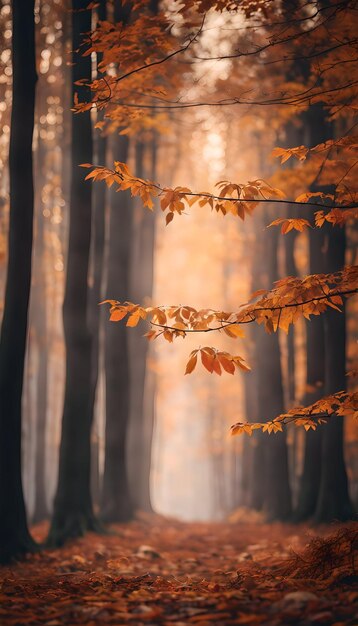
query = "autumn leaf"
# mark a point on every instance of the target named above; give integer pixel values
(207, 359)
(169, 217)
(234, 331)
(191, 364)
(290, 224)
(117, 315)
(226, 363)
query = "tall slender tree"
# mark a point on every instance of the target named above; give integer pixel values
(276, 496)
(142, 400)
(324, 489)
(41, 336)
(73, 512)
(142, 415)
(116, 502)
(116, 505)
(315, 354)
(97, 272)
(14, 535)
(333, 497)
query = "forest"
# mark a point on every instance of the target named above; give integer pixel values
(178, 312)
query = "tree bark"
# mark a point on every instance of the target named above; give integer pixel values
(252, 458)
(275, 478)
(315, 353)
(317, 130)
(15, 537)
(116, 505)
(73, 514)
(39, 307)
(95, 294)
(333, 499)
(142, 380)
(290, 270)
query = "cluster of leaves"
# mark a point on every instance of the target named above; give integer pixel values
(309, 47)
(238, 199)
(349, 142)
(216, 361)
(341, 403)
(135, 71)
(248, 7)
(290, 299)
(335, 157)
(335, 217)
(234, 198)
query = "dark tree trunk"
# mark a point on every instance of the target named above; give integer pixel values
(275, 478)
(315, 352)
(256, 495)
(143, 383)
(277, 500)
(41, 511)
(95, 294)
(73, 514)
(317, 130)
(253, 453)
(333, 499)
(290, 270)
(39, 302)
(116, 504)
(142, 380)
(15, 538)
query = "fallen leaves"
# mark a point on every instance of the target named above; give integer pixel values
(194, 573)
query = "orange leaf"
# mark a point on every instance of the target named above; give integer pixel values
(191, 364)
(227, 365)
(207, 360)
(134, 319)
(216, 366)
(117, 315)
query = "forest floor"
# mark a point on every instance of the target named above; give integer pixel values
(157, 571)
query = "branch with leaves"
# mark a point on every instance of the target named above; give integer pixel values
(238, 199)
(341, 403)
(290, 299)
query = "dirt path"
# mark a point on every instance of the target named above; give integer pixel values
(163, 572)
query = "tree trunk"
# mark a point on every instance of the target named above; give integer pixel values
(116, 504)
(95, 294)
(315, 349)
(142, 380)
(39, 307)
(15, 538)
(252, 457)
(318, 130)
(41, 511)
(73, 514)
(333, 500)
(290, 270)
(275, 478)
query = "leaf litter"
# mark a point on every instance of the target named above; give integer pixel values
(160, 571)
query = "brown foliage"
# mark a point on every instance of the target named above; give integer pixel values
(159, 571)
(328, 559)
